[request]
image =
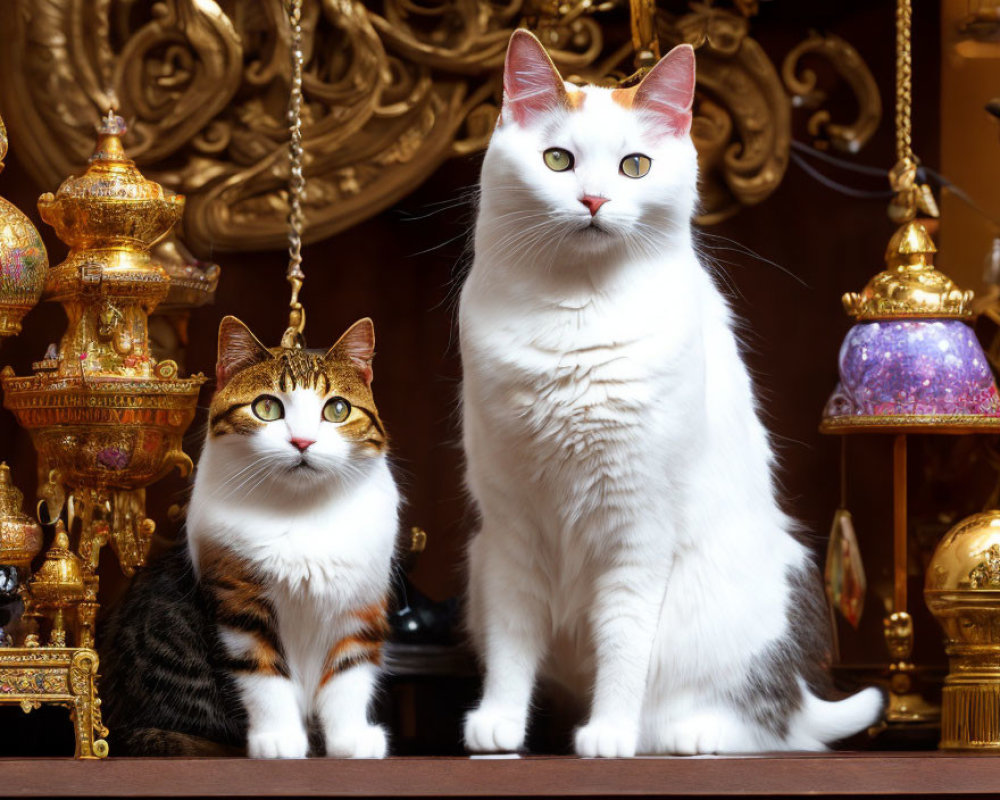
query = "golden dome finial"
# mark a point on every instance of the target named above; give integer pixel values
(109, 144)
(910, 286)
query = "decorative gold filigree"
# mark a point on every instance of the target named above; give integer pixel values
(390, 92)
(986, 574)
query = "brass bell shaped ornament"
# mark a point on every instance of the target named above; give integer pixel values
(60, 584)
(962, 590)
(20, 542)
(23, 261)
(20, 535)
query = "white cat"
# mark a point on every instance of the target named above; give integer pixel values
(631, 542)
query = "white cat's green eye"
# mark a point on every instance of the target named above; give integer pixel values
(557, 159)
(268, 408)
(636, 165)
(336, 410)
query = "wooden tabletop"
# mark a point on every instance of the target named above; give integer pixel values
(840, 774)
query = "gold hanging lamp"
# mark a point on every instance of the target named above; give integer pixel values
(910, 364)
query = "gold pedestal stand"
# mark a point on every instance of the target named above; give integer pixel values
(63, 591)
(106, 418)
(32, 675)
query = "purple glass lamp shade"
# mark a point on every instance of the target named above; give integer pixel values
(912, 368)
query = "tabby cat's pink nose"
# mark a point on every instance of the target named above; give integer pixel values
(302, 444)
(592, 202)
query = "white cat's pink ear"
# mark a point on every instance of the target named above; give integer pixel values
(531, 82)
(668, 90)
(238, 349)
(358, 345)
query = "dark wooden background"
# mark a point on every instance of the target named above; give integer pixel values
(404, 272)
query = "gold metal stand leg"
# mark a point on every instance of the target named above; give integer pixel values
(86, 709)
(905, 704)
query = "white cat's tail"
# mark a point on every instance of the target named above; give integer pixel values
(822, 722)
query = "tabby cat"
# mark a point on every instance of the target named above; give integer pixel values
(267, 625)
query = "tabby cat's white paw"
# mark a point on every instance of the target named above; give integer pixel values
(490, 730)
(603, 739)
(368, 741)
(278, 743)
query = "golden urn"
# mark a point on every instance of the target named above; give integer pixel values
(101, 411)
(20, 535)
(23, 261)
(963, 592)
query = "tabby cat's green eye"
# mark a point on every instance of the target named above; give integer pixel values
(557, 159)
(268, 408)
(636, 165)
(336, 410)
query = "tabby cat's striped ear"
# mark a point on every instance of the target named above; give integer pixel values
(357, 345)
(238, 349)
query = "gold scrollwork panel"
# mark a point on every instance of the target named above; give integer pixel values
(391, 91)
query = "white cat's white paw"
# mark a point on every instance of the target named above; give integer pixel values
(606, 739)
(489, 730)
(703, 734)
(368, 741)
(278, 743)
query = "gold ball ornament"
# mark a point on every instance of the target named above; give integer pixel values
(962, 590)
(23, 261)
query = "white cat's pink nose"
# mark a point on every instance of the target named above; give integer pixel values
(593, 202)
(302, 444)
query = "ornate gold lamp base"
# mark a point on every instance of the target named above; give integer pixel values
(963, 592)
(62, 676)
(970, 717)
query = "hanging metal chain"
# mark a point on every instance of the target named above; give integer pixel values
(904, 80)
(293, 337)
(910, 198)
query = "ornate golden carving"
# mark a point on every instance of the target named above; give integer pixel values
(805, 91)
(742, 121)
(390, 92)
